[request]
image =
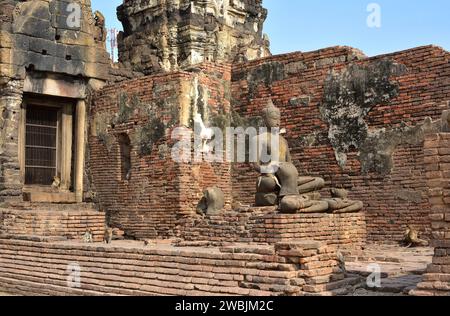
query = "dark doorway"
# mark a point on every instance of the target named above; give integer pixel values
(41, 134)
(125, 156)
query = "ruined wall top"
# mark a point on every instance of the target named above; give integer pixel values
(53, 36)
(167, 35)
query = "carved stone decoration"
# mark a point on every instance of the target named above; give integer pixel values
(52, 37)
(171, 35)
(212, 203)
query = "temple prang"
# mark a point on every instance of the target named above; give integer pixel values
(172, 35)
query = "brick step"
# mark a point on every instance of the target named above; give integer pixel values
(48, 207)
(49, 197)
(100, 273)
(133, 267)
(434, 286)
(332, 286)
(130, 269)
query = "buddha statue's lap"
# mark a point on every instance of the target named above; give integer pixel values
(339, 202)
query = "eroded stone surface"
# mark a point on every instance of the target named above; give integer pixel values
(46, 36)
(176, 34)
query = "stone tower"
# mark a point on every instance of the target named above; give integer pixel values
(166, 35)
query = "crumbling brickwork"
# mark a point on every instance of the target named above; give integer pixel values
(381, 163)
(375, 147)
(172, 35)
(294, 268)
(159, 191)
(50, 221)
(265, 225)
(436, 281)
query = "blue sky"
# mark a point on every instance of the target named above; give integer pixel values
(300, 25)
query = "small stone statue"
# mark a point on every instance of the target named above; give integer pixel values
(212, 203)
(279, 177)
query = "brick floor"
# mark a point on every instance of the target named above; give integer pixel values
(401, 268)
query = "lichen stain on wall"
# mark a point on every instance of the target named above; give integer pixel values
(349, 96)
(265, 74)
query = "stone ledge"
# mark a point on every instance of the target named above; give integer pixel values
(266, 226)
(130, 268)
(46, 224)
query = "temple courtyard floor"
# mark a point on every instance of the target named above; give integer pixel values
(400, 268)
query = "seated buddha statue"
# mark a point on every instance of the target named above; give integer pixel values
(279, 182)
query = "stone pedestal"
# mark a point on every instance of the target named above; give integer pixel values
(266, 225)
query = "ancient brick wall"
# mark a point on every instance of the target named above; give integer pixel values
(159, 191)
(42, 223)
(265, 225)
(302, 268)
(149, 199)
(358, 122)
(437, 164)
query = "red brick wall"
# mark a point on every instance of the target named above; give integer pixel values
(160, 192)
(56, 223)
(423, 89)
(437, 166)
(265, 225)
(149, 201)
